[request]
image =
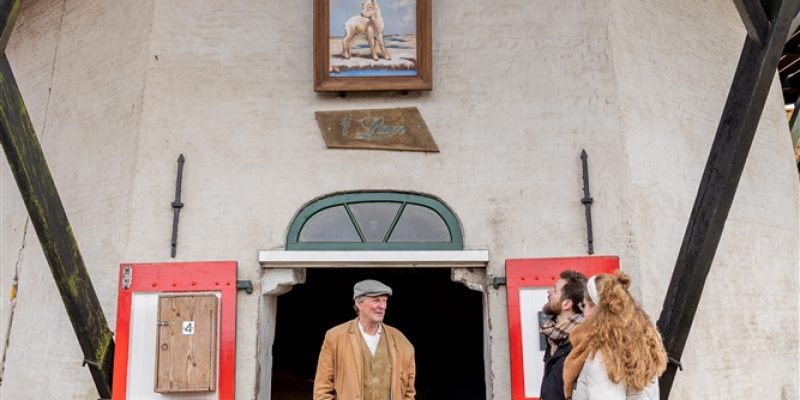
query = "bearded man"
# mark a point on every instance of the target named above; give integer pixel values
(562, 315)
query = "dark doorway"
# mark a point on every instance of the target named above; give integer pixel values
(441, 318)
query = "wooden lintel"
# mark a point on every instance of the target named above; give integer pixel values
(32, 174)
(754, 18)
(737, 127)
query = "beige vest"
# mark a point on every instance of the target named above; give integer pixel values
(377, 370)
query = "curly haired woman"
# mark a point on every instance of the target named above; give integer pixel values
(617, 351)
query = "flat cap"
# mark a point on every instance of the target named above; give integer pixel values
(370, 287)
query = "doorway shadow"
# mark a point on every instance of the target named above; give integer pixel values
(441, 318)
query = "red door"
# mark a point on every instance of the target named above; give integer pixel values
(527, 281)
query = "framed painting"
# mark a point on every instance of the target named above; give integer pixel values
(372, 45)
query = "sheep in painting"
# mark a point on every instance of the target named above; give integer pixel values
(369, 23)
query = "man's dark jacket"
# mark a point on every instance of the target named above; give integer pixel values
(553, 381)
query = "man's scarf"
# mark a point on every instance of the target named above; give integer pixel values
(557, 333)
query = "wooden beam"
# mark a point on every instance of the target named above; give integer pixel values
(754, 18)
(794, 41)
(30, 170)
(9, 9)
(788, 63)
(737, 126)
(791, 78)
(794, 123)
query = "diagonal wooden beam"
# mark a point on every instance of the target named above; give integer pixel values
(754, 18)
(9, 9)
(32, 174)
(737, 127)
(794, 124)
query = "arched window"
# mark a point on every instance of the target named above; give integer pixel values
(375, 221)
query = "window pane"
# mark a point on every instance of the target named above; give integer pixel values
(329, 225)
(374, 219)
(420, 224)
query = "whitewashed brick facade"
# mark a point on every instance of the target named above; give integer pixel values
(117, 89)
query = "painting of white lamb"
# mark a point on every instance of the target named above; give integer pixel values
(373, 38)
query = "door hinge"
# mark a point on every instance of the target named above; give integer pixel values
(127, 277)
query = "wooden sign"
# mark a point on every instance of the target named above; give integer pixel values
(400, 129)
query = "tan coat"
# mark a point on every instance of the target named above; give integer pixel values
(340, 368)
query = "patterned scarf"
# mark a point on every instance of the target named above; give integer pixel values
(557, 333)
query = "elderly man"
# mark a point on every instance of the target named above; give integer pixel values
(365, 359)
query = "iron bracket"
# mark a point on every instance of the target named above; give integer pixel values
(587, 201)
(675, 362)
(176, 206)
(127, 277)
(245, 285)
(498, 281)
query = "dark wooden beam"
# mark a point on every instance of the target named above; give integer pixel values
(754, 18)
(9, 9)
(793, 42)
(791, 78)
(32, 174)
(794, 123)
(737, 127)
(788, 63)
(30, 170)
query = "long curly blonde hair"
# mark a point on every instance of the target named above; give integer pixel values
(631, 345)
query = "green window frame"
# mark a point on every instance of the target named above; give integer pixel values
(404, 202)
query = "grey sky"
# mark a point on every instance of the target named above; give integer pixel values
(399, 16)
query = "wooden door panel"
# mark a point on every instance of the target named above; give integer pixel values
(187, 343)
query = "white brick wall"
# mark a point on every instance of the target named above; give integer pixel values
(118, 89)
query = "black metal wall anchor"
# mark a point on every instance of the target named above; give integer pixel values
(587, 201)
(92, 363)
(498, 281)
(176, 206)
(246, 285)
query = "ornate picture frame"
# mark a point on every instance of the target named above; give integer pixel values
(359, 46)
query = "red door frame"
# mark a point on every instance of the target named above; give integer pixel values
(540, 272)
(211, 276)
